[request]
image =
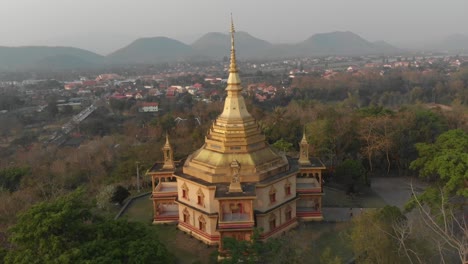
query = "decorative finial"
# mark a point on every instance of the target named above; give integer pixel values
(233, 65)
(167, 138)
(304, 138)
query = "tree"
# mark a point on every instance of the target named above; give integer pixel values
(245, 251)
(119, 194)
(66, 231)
(442, 205)
(52, 109)
(351, 172)
(104, 197)
(445, 162)
(10, 177)
(328, 258)
(282, 145)
(372, 237)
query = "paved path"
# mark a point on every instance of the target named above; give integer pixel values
(338, 214)
(394, 191)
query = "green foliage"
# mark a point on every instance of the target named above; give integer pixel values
(445, 161)
(282, 145)
(371, 237)
(10, 178)
(119, 195)
(66, 231)
(10, 102)
(167, 122)
(51, 232)
(328, 258)
(52, 109)
(350, 169)
(244, 251)
(351, 172)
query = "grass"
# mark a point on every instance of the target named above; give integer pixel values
(140, 210)
(312, 237)
(186, 249)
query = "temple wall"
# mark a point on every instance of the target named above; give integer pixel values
(263, 201)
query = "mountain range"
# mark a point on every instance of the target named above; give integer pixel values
(212, 45)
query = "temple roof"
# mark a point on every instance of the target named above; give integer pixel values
(235, 135)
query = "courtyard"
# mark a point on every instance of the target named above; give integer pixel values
(309, 239)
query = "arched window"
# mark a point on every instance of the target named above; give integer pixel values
(186, 216)
(287, 188)
(272, 222)
(185, 191)
(288, 213)
(200, 198)
(201, 223)
(272, 195)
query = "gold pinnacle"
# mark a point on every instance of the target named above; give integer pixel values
(233, 65)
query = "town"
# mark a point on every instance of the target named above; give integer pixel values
(322, 151)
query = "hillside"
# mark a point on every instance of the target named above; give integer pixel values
(453, 43)
(151, 50)
(217, 45)
(341, 43)
(12, 58)
(212, 45)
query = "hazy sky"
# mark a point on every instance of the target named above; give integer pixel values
(104, 25)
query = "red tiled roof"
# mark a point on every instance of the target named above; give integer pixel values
(149, 104)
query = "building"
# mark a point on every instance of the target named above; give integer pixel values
(236, 182)
(148, 107)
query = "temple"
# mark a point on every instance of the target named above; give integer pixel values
(236, 182)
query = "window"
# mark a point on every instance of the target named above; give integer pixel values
(200, 198)
(272, 195)
(272, 222)
(288, 213)
(185, 191)
(186, 216)
(201, 223)
(287, 188)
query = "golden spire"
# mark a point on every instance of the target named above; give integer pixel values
(168, 154)
(304, 150)
(304, 139)
(234, 105)
(167, 145)
(233, 65)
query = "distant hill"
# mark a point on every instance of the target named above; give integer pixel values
(210, 46)
(12, 58)
(217, 45)
(453, 43)
(152, 50)
(342, 43)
